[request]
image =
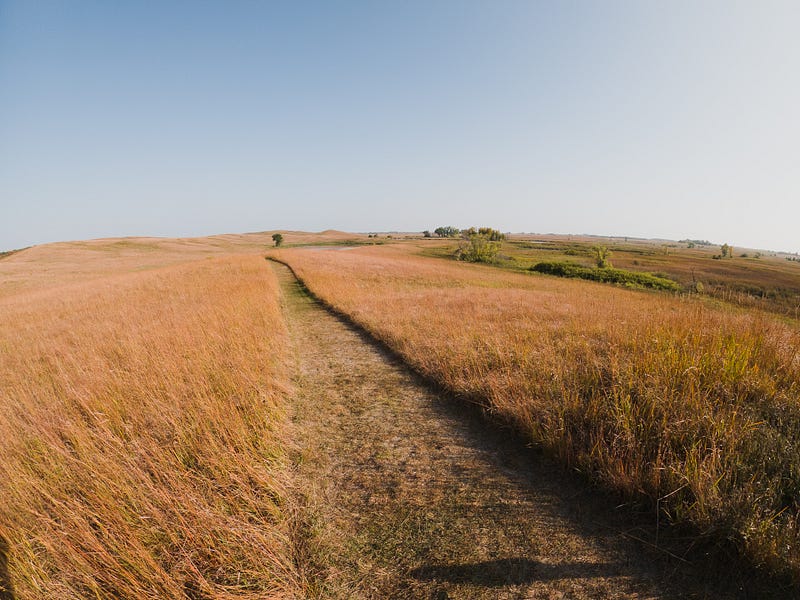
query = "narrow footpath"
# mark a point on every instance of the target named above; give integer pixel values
(404, 494)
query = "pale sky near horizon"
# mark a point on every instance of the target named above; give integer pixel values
(651, 119)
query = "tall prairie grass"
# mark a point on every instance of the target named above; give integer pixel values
(142, 435)
(692, 406)
(65, 263)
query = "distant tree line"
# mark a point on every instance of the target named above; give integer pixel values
(478, 244)
(448, 231)
(693, 243)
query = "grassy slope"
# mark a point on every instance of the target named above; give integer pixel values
(88, 338)
(660, 397)
(63, 263)
(142, 425)
(769, 282)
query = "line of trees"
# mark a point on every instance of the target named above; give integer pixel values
(477, 244)
(448, 231)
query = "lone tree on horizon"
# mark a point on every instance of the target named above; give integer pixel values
(277, 238)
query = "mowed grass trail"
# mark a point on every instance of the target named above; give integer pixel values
(406, 495)
(143, 435)
(688, 406)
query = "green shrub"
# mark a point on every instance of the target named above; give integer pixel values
(492, 234)
(601, 254)
(478, 248)
(607, 275)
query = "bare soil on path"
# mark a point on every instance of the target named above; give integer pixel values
(407, 494)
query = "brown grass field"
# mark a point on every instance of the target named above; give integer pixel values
(51, 265)
(146, 437)
(749, 278)
(143, 430)
(686, 403)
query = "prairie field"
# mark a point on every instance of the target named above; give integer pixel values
(746, 277)
(63, 263)
(687, 404)
(174, 423)
(143, 429)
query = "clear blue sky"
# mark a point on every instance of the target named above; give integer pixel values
(656, 119)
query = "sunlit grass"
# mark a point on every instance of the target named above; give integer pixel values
(750, 278)
(142, 435)
(664, 398)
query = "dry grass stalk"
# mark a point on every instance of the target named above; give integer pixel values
(660, 397)
(141, 436)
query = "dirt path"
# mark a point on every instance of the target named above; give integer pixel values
(410, 496)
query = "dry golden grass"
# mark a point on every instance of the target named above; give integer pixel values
(64, 263)
(672, 399)
(752, 279)
(142, 427)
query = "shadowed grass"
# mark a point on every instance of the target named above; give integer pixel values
(667, 399)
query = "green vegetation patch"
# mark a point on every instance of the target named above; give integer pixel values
(607, 275)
